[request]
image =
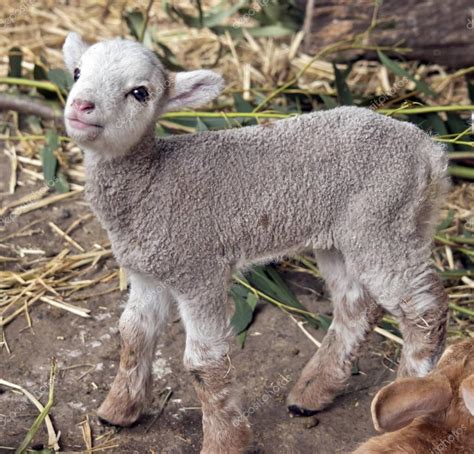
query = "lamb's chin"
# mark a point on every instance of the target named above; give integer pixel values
(83, 137)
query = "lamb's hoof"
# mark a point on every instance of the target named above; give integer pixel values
(104, 422)
(309, 397)
(295, 410)
(117, 416)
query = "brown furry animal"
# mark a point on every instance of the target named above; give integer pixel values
(433, 414)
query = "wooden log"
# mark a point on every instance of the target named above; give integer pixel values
(436, 31)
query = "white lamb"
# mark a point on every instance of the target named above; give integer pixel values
(359, 189)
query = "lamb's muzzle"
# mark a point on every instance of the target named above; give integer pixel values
(360, 189)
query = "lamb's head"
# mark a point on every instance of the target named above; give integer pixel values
(445, 397)
(121, 88)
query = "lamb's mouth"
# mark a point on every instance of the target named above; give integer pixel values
(82, 125)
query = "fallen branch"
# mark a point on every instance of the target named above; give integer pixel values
(29, 106)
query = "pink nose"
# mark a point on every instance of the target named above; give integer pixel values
(83, 106)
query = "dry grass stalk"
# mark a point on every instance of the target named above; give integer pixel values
(52, 436)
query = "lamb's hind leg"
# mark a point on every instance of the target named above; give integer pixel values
(226, 430)
(423, 318)
(355, 313)
(140, 324)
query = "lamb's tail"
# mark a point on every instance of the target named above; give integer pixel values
(438, 159)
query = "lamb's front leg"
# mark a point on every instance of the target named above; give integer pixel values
(226, 430)
(140, 324)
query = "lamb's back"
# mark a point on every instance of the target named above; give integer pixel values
(312, 165)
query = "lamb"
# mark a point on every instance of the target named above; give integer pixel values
(359, 189)
(433, 414)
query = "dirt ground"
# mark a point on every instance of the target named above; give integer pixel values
(87, 351)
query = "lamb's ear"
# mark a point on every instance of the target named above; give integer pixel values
(467, 392)
(73, 48)
(194, 88)
(398, 403)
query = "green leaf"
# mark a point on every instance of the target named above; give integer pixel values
(461, 172)
(167, 57)
(329, 101)
(284, 290)
(49, 161)
(244, 310)
(200, 12)
(445, 223)
(184, 121)
(252, 300)
(135, 22)
(418, 120)
(455, 274)
(245, 304)
(40, 73)
(395, 68)
(455, 123)
(343, 93)
(162, 131)
(241, 105)
(324, 321)
(61, 78)
(60, 183)
(53, 178)
(355, 368)
(288, 14)
(222, 123)
(15, 57)
(211, 123)
(437, 125)
(270, 31)
(200, 125)
(240, 290)
(268, 281)
(272, 10)
(241, 338)
(211, 20)
(391, 328)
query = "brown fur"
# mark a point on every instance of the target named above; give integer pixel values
(430, 413)
(130, 391)
(126, 399)
(226, 430)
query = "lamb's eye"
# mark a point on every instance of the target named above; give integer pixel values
(77, 74)
(140, 94)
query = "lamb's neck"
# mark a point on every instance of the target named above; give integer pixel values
(94, 157)
(111, 187)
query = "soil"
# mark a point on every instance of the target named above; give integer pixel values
(87, 351)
